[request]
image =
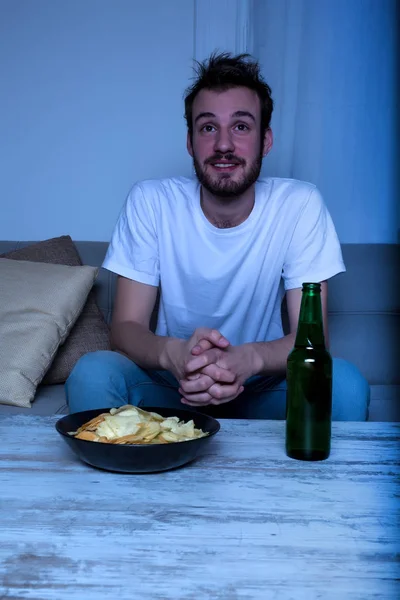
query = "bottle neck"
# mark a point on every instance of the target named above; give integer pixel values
(310, 331)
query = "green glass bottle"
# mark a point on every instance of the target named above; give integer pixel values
(309, 384)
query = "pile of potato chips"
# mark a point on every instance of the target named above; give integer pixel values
(132, 425)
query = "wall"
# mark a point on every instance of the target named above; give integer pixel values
(92, 100)
(333, 67)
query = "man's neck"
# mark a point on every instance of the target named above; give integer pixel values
(227, 212)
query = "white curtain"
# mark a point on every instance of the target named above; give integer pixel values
(332, 66)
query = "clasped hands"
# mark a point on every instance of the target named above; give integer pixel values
(211, 370)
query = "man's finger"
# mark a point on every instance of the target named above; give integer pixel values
(223, 392)
(201, 346)
(201, 384)
(201, 361)
(212, 335)
(218, 374)
(225, 400)
(200, 399)
(205, 399)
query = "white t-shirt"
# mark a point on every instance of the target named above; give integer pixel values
(231, 279)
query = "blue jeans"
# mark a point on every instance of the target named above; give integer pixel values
(107, 379)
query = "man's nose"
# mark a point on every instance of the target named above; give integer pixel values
(224, 142)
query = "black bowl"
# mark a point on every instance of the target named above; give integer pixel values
(139, 458)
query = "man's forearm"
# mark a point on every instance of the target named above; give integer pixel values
(140, 344)
(270, 357)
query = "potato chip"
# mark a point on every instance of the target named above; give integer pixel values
(87, 435)
(132, 425)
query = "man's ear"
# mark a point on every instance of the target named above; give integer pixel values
(268, 141)
(189, 144)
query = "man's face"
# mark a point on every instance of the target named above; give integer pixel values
(227, 149)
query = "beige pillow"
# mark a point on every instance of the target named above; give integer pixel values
(39, 304)
(90, 332)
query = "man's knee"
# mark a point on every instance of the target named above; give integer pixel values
(98, 363)
(97, 372)
(350, 392)
(101, 379)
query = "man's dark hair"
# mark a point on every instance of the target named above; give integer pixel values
(222, 72)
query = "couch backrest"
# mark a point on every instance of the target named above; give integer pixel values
(364, 311)
(364, 306)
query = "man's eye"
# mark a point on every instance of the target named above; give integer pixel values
(208, 128)
(242, 127)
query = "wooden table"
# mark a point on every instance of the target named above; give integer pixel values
(243, 522)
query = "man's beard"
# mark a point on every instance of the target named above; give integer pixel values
(224, 187)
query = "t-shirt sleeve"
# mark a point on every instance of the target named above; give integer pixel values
(314, 253)
(133, 250)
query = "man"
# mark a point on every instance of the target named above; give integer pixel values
(223, 249)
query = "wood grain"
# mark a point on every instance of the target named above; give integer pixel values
(243, 522)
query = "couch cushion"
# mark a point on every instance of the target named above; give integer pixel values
(370, 284)
(364, 311)
(370, 341)
(90, 332)
(93, 253)
(49, 400)
(385, 403)
(39, 304)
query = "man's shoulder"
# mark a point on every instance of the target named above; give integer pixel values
(286, 185)
(289, 196)
(168, 186)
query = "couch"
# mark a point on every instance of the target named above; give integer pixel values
(364, 322)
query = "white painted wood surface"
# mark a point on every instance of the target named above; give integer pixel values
(243, 522)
